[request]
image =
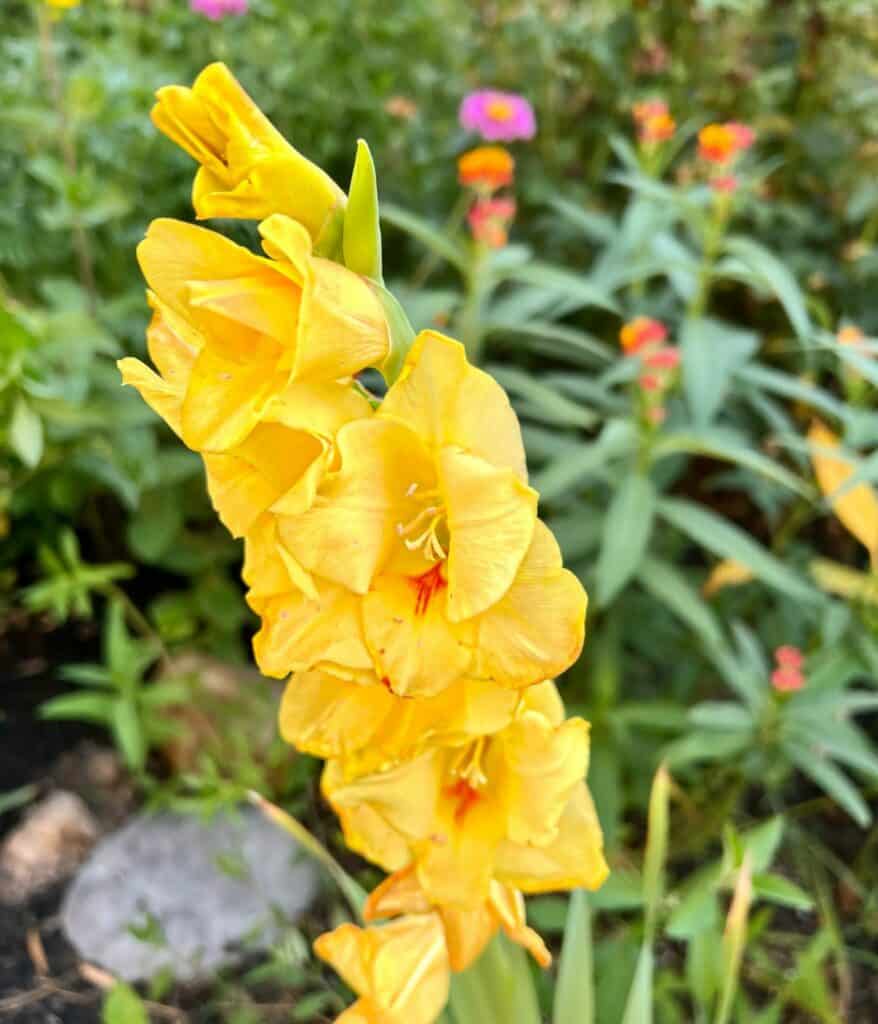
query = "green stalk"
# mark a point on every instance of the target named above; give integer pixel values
(470, 321)
(716, 227)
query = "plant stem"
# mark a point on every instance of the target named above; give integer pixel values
(470, 321)
(713, 237)
(137, 619)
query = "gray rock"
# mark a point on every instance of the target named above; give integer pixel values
(194, 891)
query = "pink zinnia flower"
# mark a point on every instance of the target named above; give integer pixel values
(498, 116)
(215, 10)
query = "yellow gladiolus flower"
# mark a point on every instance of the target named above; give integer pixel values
(262, 324)
(370, 727)
(282, 459)
(459, 810)
(467, 932)
(248, 169)
(400, 971)
(727, 573)
(430, 519)
(857, 509)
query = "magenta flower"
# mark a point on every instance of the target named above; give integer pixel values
(498, 116)
(215, 10)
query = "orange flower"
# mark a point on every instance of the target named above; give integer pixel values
(641, 332)
(721, 143)
(787, 676)
(654, 121)
(487, 167)
(850, 334)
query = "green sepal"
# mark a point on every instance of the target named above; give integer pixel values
(361, 243)
(329, 241)
(402, 334)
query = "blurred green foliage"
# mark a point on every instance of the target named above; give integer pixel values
(99, 507)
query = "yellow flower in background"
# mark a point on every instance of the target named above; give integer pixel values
(371, 727)
(727, 573)
(248, 169)
(467, 932)
(400, 971)
(430, 520)
(63, 5)
(458, 810)
(857, 509)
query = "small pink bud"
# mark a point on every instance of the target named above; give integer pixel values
(789, 657)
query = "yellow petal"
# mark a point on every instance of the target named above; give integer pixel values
(404, 796)
(321, 407)
(491, 516)
(537, 629)
(574, 859)
(363, 722)
(342, 326)
(300, 632)
(455, 858)
(272, 462)
(215, 284)
(350, 530)
(225, 401)
(400, 969)
(542, 766)
(249, 169)
(467, 932)
(508, 906)
(858, 508)
(413, 644)
(160, 396)
(398, 894)
(365, 830)
(265, 573)
(448, 402)
(727, 573)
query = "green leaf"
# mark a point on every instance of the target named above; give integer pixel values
(763, 841)
(426, 234)
(832, 780)
(154, 526)
(578, 292)
(777, 889)
(656, 848)
(787, 386)
(85, 707)
(638, 1009)
(361, 242)
(669, 587)
(128, 733)
(26, 433)
(717, 535)
(726, 445)
(574, 991)
(543, 402)
(712, 351)
(722, 715)
(571, 468)
(708, 746)
(123, 1005)
(627, 527)
(766, 270)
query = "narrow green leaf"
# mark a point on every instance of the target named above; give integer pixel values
(128, 732)
(574, 991)
(350, 889)
(787, 386)
(721, 715)
(638, 1009)
(571, 468)
(734, 940)
(724, 539)
(832, 780)
(578, 291)
(712, 351)
(777, 889)
(669, 587)
(627, 528)
(361, 241)
(656, 848)
(767, 271)
(86, 707)
(543, 402)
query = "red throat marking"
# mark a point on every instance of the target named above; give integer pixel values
(426, 586)
(465, 795)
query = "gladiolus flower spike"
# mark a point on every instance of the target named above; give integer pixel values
(406, 589)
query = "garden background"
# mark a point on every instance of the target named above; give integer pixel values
(716, 515)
